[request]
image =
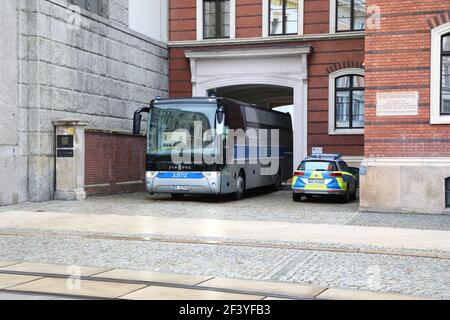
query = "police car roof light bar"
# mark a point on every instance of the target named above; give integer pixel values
(327, 156)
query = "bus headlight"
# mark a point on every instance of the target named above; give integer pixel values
(212, 175)
(151, 175)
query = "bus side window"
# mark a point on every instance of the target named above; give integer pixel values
(235, 118)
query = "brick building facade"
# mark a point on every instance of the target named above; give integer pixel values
(407, 155)
(327, 51)
(347, 63)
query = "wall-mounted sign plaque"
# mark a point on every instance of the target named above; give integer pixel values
(398, 103)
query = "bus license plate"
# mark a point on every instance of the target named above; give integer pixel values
(181, 188)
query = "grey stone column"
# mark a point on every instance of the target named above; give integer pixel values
(70, 159)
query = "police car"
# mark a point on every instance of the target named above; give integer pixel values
(325, 174)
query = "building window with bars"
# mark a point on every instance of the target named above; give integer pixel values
(349, 102)
(445, 71)
(350, 15)
(283, 16)
(216, 19)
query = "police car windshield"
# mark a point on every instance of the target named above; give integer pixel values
(317, 166)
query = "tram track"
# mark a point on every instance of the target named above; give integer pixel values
(319, 247)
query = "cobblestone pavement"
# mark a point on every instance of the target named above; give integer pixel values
(394, 274)
(261, 206)
(408, 221)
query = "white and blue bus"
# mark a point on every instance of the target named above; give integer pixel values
(197, 132)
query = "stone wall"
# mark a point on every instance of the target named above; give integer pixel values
(91, 68)
(9, 158)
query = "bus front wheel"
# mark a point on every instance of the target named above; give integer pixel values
(240, 186)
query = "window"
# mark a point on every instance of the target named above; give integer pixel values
(346, 102)
(95, 6)
(445, 71)
(216, 19)
(440, 75)
(447, 193)
(350, 15)
(349, 102)
(344, 167)
(317, 166)
(283, 17)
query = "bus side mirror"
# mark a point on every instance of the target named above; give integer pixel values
(137, 123)
(220, 118)
(137, 118)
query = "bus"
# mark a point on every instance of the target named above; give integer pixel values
(193, 146)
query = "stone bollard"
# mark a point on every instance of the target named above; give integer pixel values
(70, 159)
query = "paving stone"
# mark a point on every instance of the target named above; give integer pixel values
(5, 264)
(166, 293)
(268, 288)
(160, 277)
(85, 288)
(54, 269)
(8, 280)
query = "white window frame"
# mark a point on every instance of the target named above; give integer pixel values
(333, 22)
(266, 23)
(436, 73)
(200, 20)
(332, 130)
(333, 16)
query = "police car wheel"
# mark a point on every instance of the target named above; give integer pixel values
(354, 194)
(346, 198)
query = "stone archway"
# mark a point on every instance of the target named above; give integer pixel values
(285, 67)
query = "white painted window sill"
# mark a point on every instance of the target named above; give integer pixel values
(440, 120)
(346, 132)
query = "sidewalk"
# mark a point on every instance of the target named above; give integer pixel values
(369, 239)
(57, 280)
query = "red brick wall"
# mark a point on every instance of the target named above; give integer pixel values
(115, 163)
(182, 20)
(248, 18)
(327, 56)
(398, 59)
(316, 17)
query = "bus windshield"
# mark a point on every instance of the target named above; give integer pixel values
(188, 126)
